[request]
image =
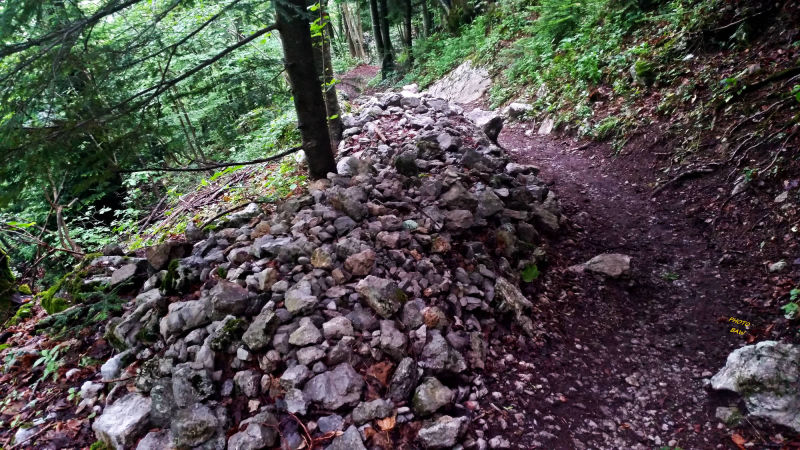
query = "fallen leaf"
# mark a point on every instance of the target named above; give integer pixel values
(387, 423)
(739, 440)
(380, 371)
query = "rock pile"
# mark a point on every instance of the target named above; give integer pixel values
(355, 313)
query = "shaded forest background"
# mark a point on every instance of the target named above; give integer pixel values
(98, 98)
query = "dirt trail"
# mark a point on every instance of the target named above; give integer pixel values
(625, 368)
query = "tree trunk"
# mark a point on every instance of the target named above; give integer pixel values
(376, 28)
(322, 59)
(387, 63)
(353, 27)
(292, 19)
(407, 33)
(426, 19)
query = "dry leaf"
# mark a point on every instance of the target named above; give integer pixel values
(380, 371)
(387, 423)
(739, 440)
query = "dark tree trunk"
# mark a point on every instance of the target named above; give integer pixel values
(426, 19)
(376, 28)
(387, 63)
(292, 19)
(407, 32)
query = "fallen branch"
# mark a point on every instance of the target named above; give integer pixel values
(227, 211)
(214, 166)
(708, 168)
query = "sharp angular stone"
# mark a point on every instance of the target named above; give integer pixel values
(382, 295)
(443, 433)
(122, 423)
(430, 396)
(336, 388)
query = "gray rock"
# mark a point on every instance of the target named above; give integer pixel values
(349, 440)
(305, 334)
(766, 375)
(344, 224)
(465, 84)
(334, 422)
(443, 433)
(162, 402)
(337, 328)
(382, 295)
(510, 299)
(336, 388)
(517, 110)
(255, 437)
(403, 380)
(393, 341)
(376, 409)
(406, 163)
(191, 385)
(489, 122)
(294, 376)
(160, 255)
(439, 356)
(309, 355)
(112, 368)
(260, 332)
(145, 315)
(193, 426)
(298, 298)
(544, 219)
(155, 440)
(430, 396)
(243, 216)
(295, 401)
(183, 316)
(248, 382)
(777, 267)
(122, 423)
(612, 265)
(123, 274)
(489, 204)
(351, 201)
(230, 298)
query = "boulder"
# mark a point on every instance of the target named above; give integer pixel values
(767, 376)
(489, 122)
(122, 423)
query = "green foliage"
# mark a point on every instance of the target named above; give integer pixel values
(530, 273)
(77, 108)
(50, 359)
(94, 308)
(791, 309)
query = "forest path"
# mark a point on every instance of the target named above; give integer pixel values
(623, 361)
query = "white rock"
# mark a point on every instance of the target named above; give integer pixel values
(123, 422)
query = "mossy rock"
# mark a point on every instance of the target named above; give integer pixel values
(66, 291)
(643, 72)
(6, 286)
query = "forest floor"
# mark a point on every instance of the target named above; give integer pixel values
(624, 362)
